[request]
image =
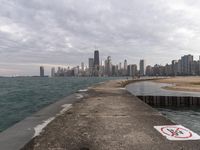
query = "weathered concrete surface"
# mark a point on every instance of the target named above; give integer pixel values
(108, 118)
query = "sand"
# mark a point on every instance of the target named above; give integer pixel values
(189, 83)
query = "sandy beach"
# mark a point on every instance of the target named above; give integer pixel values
(182, 83)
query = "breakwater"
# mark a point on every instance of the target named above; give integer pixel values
(170, 101)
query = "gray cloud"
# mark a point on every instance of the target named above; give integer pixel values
(65, 32)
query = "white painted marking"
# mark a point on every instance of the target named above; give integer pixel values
(177, 133)
(38, 129)
(122, 88)
(65, 108)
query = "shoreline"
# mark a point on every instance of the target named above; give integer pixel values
(20, 133)
(25, 130)
(190, 83)
(105, 119)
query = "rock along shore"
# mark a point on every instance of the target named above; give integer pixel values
(107, 118)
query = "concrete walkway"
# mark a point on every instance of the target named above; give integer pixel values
(108, 118)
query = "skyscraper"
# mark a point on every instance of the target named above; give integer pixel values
(96, 59)
(41, 71)
(96, 63)
(90, 65)
(142, 67)
(125, 67)
(186, 64)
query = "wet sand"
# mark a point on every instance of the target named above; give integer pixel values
(190, 83)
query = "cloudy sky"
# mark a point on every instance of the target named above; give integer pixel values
(65, 32)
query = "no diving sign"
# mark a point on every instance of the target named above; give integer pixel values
(177, 133)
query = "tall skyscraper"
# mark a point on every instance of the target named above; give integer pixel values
(142, 67)
(41, 71)
(96, 59)
(96, 63)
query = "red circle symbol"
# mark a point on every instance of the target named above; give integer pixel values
(176, 132)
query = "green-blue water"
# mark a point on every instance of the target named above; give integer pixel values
(22, 96)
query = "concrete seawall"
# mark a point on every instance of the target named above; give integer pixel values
(108, 118)
(171, 101)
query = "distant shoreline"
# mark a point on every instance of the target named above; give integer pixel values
(190, 83)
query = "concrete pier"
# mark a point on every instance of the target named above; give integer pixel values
(108, 118)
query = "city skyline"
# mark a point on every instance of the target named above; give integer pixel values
(184, 66)
(56, 33)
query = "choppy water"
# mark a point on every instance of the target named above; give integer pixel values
(188, 117)
(20, 97)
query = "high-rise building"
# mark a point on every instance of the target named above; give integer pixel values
(108, 66)
(96, 59)
(186, 64)
(90, 65)
(96, 63)
(149, 70)
(41, 71)
(125, 67)
(132, 70)
(53, 72)
(114, 70)
(142, 67)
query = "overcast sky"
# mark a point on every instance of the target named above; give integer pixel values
(65, 32)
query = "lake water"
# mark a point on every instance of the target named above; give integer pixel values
(22, 96)
(188, 117)
(149, 88)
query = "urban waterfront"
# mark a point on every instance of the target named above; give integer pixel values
(185, 66)
(20, 97)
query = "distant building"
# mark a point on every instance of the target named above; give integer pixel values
(174, 67)
(125, 67)
(108, 66)
(120, 66)
(96, 63)
(53, 72)
(41, 71)
(142, 67)
(132, 70)
(114, 70)
(186, 64)
(90, 65)
(82, 66)
(149, 70)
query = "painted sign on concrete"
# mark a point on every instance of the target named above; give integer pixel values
(177, 133)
